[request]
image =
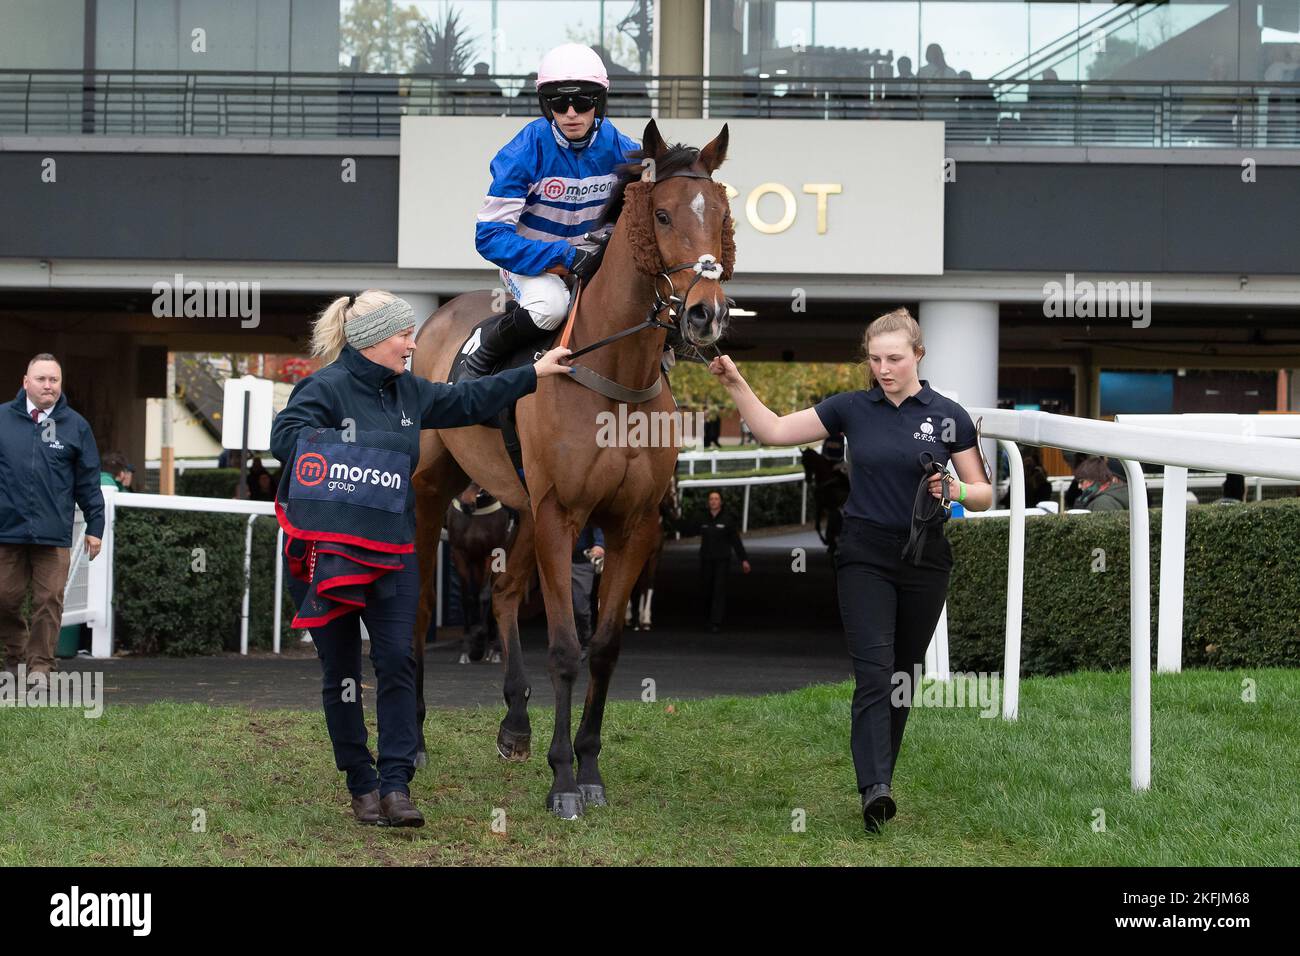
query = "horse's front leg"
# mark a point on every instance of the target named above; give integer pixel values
(554, 546)
(623, 562)
(515, 735)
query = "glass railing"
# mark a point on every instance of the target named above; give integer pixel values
(333, 105)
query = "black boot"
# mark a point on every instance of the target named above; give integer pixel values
(500, 338)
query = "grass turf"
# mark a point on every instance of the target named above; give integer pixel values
(715, 781)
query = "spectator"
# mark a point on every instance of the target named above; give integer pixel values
(1234, 490)
(713, 428)
(1100, 486)
(262, 488)
(1037, 486)
(936, 66)
(48, 461)
(718, 538)
(588, 555)
(115, 471)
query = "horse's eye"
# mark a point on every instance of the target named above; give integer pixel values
(662, 217)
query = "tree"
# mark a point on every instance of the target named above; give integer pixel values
(444, 47)
(376, 36)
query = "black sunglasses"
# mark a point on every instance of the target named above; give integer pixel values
(560, 102)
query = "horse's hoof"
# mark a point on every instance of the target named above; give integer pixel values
(566, 806)
(513, 747)
(593, 794)
(464, 658)
(421, 759)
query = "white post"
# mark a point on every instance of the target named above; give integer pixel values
(803, 503)
(936, 654)
(248, 580)
(1139, 628)
(1173, 544)
(279, 585)
(99, 585)
(1015, 584)
(744, 520)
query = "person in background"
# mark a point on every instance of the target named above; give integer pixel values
(718, 538)
(588, 552)
(1037, 485)
(48, 463)
(115, 471)
(1100, 486)
(1234, 490)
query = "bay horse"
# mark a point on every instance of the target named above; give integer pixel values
(479, 531)
(830, 490)
(672, 246)
(643, 591)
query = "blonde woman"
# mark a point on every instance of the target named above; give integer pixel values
(889, 606)
(365, 393)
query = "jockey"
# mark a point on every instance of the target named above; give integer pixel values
(550, 185)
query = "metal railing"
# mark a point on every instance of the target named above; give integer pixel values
(1178, 450)
(331, 105)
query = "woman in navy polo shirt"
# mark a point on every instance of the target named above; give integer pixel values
(364, 342)
(889, 606)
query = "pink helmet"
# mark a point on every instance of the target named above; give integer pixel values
(574, 63)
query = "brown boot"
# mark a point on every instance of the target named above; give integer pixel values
(366, 808)
(399, 810)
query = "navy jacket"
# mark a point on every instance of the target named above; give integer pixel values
(40, 480)
(379, 399)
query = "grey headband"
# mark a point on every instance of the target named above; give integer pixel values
(363, 331)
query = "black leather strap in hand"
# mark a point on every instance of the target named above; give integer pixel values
(928, 512)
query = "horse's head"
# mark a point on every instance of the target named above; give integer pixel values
(681, 231)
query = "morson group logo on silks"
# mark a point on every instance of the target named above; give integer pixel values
(348, 473)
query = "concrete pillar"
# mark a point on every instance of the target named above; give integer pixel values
(423, 303)
(961, 355)
(680, 39)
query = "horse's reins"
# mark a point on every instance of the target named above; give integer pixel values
(705, 267)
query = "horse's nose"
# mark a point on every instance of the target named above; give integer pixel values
(700, 317)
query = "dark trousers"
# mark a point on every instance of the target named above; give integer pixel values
(43, 568)
(713, 578)
(889, 609)
(390, 622)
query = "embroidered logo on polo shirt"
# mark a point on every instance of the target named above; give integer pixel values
(926, 433)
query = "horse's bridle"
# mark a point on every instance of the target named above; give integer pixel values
(705, 267)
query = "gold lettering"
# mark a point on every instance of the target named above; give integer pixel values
(821, 191)
(751, 208)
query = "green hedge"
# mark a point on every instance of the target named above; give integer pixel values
(208, 482)
(1241, 592)
(165, 606)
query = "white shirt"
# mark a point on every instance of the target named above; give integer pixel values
(44, 414)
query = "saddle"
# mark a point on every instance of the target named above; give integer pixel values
(526, 355)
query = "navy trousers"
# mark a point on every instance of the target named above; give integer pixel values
(389, 616)
(889, 608)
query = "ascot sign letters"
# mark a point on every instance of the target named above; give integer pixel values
(852, 197)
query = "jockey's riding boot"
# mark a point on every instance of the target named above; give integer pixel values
(513, 328)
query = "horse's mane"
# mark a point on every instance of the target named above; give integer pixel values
(679, 156)
(645, 251)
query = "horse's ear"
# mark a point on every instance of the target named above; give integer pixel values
(713, 155)
(651, 142)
